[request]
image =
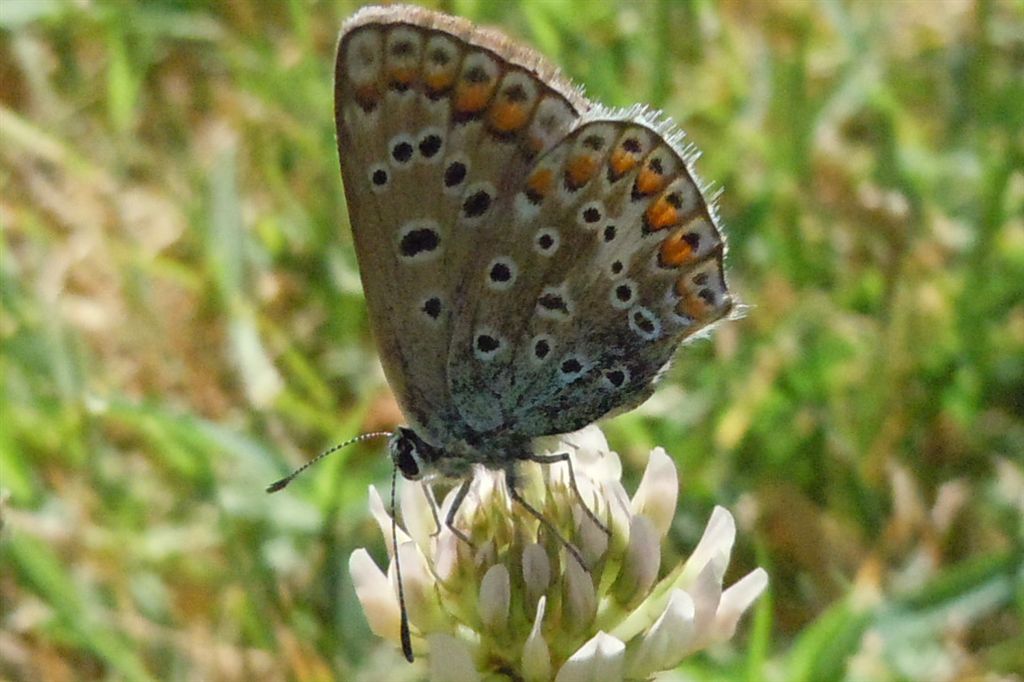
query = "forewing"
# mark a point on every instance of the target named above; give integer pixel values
(437, 122)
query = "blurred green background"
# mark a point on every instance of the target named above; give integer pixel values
(182, 322)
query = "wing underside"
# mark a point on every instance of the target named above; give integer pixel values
(530, 261)
(436, 119)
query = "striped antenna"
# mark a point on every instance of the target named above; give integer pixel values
(279, 485)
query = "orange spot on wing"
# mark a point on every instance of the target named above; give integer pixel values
(692, 307)
(660, 215)
(440, 81)
(540, 182)
(470, 98)
(622, 162)
(675, 250)
(507, 117)
(690, 304)
(367, 94)
(649, 181)
(580, 170)
(404, 75)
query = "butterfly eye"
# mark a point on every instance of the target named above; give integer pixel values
(407, 464)
(405, 455)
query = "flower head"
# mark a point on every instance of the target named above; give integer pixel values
(515, 601)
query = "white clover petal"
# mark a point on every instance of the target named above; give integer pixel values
(417, 519)
(591, 455)
(536, 659)
(383, 518)
(446, 556)
(618, 511)
(495, 595)
(712, 550)
(602, 658)
(590, 439)
(706, 592)
(580, 602)
(485, 555)
(534, 481)
(591, 539)
(658, 492)
(450, 660)
(536, 572)
(420, 593)
(735, 601)
(666, 643)
(641, 563)
(375, 594)
(717, 541)
(486, 485)
(589, 487)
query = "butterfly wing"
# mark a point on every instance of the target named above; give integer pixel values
(617, 259)
(525, 269)
(436, 121)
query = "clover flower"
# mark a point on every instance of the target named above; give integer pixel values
(515, 602)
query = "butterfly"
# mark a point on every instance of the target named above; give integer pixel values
(531, 259)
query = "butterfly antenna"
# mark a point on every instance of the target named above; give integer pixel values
(406, 637)
(279, 485)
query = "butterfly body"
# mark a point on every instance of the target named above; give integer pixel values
(531, 260)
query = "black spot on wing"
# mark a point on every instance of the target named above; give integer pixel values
(454, 174)
(419, 241)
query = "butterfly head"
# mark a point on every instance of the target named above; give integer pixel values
(413, 456)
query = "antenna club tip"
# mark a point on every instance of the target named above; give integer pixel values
(407, 647)
(278, 485)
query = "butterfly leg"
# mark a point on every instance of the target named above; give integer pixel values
(456, 503)
(510, 482)
(428, 492)
(564, 457)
